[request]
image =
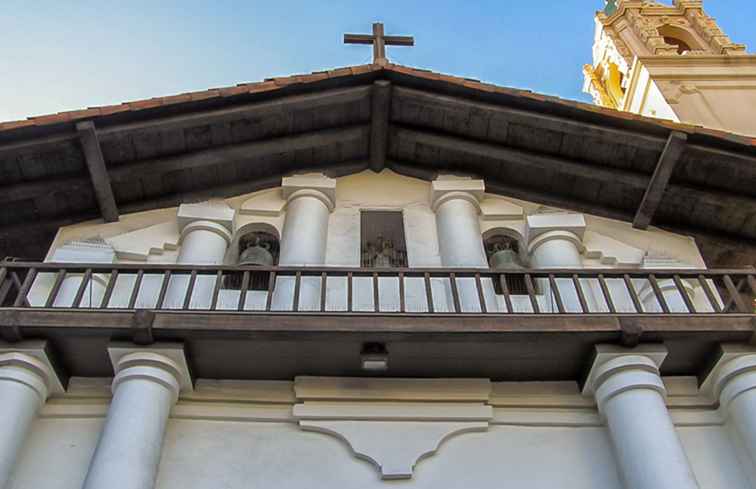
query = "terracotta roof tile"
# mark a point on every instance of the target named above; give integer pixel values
(231, 91)
(113, 109)
(339, 72)
(145, 104)
(204, 95)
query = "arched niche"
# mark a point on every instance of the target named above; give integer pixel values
(505, 250)
(254, 245)
(679, 37)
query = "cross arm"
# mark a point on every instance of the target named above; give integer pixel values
(400, 40)
(358, 39)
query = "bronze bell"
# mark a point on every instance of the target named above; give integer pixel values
(257, 255)
(505, 258)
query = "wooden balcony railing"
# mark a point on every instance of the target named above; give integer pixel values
(330, 290)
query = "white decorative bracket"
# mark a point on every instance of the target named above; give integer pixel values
(393, 423)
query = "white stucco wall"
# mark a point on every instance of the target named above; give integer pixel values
(242, 435)
(153, 237)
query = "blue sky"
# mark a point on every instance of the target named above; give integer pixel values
(65, 54)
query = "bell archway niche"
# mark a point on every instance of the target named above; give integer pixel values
(254, 245)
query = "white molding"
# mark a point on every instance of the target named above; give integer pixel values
(394, 448)
(608, 353)
(167, 356)
(217, 212)
(353, 388)
(32, 355)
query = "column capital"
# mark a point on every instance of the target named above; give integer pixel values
(617, 369)
(311, 185)
(733, 374)
(556, 236)
(29, 363)
(444, 189)
(217, 212)
(162, 363)
(211, 226)
(539, 224)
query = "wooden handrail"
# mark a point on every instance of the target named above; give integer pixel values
(466, 288)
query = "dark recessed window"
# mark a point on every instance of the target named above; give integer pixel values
(382, 242)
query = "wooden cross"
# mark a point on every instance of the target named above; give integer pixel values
(379, 42)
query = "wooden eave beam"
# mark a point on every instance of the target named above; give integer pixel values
(660, 179)
(240, 152)
(380, 113)
(98, 172)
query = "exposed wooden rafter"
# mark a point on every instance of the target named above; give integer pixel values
(660, 179)
(98, 172)
(380, 113)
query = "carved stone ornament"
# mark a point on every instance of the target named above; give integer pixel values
(393, 423)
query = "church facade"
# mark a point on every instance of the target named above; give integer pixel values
(381, 276)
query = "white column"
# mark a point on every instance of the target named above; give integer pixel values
(145, 388)
(631, 397)
(668, 288)
(205, 237)
(733, 382)
(26, 380)
(310, 199)
(556, 241)
(456, 203)
(90, 251)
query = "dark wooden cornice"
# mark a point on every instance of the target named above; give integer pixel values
(226, 142)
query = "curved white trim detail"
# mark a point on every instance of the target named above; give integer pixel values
(309, 192)
(213, 227)
(556, 235)
(454, 196)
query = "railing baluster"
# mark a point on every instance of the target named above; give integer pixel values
(243, 291)
(323, 291)
(402, 300)
(581, 294)
(216, 290)
(297, 285)
(189, 290)
(135, 291)
(740, 306)
(557, 295)
(163, 289)
(607, 294)
(376, 294)
(532, 294)
(109, 289)
(349, 292)
(429, 293)
(455, 292)
(505, 292)
(738, 288)
(55, 288)
(5, 285)
(709, 294)
(481, 296)
(85, 279)
(24, 288)
(633, 293)
(658, 293)
(271, 287)
(684, 294)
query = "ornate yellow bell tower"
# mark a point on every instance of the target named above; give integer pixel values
(671, 62)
